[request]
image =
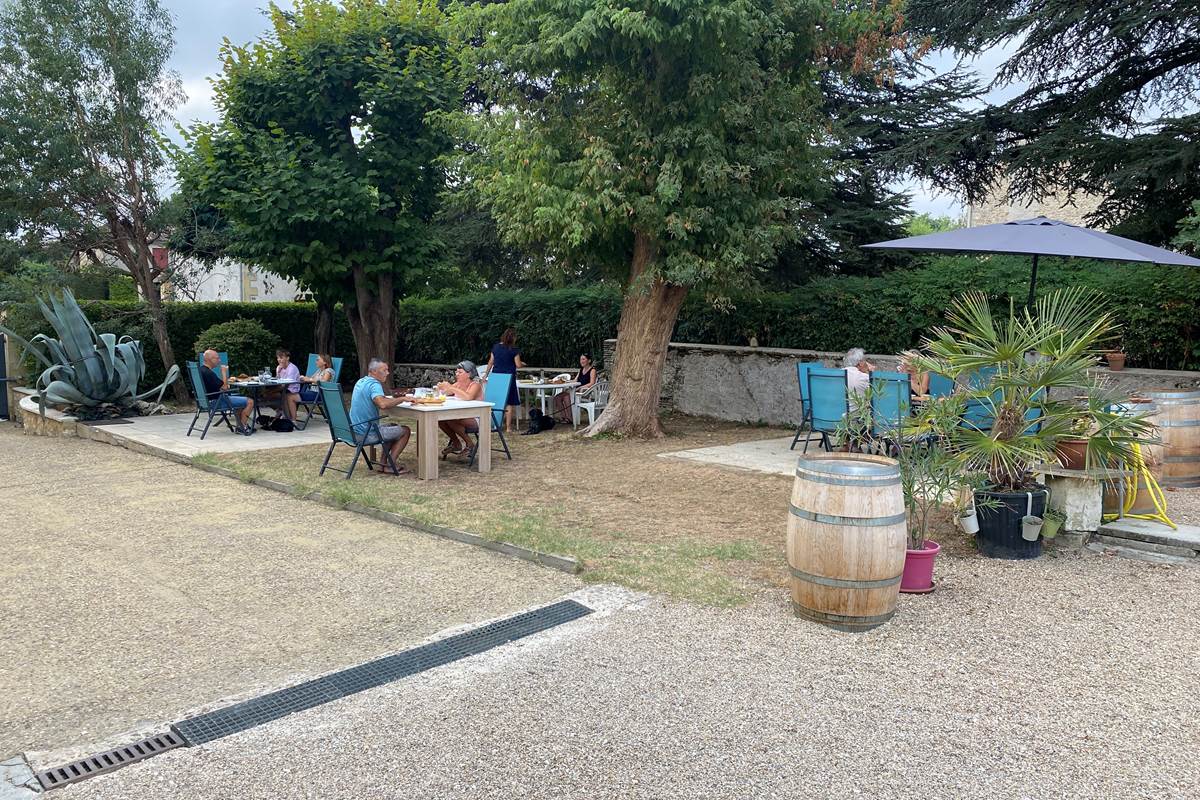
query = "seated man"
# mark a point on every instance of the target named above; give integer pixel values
(214, 384)
(858, 374)
(366, 401)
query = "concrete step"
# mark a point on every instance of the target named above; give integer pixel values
(1150, 536)
(1148, 547)
(1139, 554)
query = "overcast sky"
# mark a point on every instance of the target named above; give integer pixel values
(200, 27)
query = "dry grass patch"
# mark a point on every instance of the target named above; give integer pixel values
(679, 528)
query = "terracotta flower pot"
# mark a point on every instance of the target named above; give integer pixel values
(917, 577)
(1116, 361)
(1072, 453)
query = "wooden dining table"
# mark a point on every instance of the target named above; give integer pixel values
(427, 417)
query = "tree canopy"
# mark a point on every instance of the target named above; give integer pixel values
(325, 164)
(84, 91)
(669, 145)
(1108, 105)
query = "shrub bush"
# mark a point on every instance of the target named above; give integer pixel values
(1159, 308)
(250, 346)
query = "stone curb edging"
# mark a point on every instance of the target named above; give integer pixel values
(562, 563)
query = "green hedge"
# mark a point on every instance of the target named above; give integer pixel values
(1159, 307)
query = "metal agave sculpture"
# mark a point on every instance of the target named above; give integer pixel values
(86, 370)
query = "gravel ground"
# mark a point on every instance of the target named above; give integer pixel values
(1063, 677)
(134, 590)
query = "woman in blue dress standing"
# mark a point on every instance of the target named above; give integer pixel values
(505, 359)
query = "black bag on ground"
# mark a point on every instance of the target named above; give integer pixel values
(538, 422)
(281, 425)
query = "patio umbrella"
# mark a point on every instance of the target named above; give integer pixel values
(1039, 236)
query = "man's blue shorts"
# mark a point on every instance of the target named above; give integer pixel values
(230, 402)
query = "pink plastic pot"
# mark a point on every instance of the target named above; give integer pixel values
(918, 569)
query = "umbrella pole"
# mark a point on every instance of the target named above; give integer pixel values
(1032, 282)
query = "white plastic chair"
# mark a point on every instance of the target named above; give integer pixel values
(593, 399)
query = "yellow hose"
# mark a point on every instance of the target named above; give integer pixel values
(1131, 489)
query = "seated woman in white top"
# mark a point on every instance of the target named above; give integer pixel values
(858, 373)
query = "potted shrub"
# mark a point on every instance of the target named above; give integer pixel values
(1022, 375)
(930, 476)
(1115, 358)
(1072, 450)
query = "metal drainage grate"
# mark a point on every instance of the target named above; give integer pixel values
(254, 712)
(108, 761)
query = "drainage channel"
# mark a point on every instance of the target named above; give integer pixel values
(275, 705)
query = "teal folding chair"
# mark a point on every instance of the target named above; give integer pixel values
(891, 403)
(827, 390)
(342, 432)
(940, 385)
(802, 369)
(495, 391)
(310, 399)
(212, 406)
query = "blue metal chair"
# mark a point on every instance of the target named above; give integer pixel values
(495, 391)
(310, 399)
(342, 432)
(802, 369)
(940, 385)
(827, 394)
(891, 402)
(213, 406)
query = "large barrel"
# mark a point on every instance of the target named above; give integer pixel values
(1178, 420)
(846, 540)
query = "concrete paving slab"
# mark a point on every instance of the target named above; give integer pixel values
(134, 590)
(1145, 530)
(169, 432)
(772, 456)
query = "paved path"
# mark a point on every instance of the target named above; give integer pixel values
(773, 456)
(1062, 678)
(134, 590)
(169, 433)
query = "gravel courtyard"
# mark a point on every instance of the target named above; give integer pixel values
(1057, 678)
(134, 589)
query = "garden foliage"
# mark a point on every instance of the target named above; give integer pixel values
(1158, 308)
(250, 346)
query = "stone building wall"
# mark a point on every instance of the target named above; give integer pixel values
(758, 384)
(997, 208)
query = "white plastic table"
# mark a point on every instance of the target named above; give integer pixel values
(555, 388)
(427, 418)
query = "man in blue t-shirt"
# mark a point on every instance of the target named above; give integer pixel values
(366, 401)
(216, 382)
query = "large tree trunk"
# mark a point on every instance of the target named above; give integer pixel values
(648, 316)
(323, 341)
(373, 318)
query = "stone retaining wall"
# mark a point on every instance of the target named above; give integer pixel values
(758, 384)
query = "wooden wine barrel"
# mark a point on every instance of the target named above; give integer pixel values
(1143, 503)
(1178, 421)
(846, 540)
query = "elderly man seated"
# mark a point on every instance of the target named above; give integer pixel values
(858, 373)
(366, 401)
(215, 378)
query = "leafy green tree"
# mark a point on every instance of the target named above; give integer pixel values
(922, 224)
(1108, 105)
(667, 145)
(84, 88)
(325, 161)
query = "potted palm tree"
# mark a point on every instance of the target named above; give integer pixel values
(1023, 375)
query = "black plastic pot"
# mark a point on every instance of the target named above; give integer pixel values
(1000, 527)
